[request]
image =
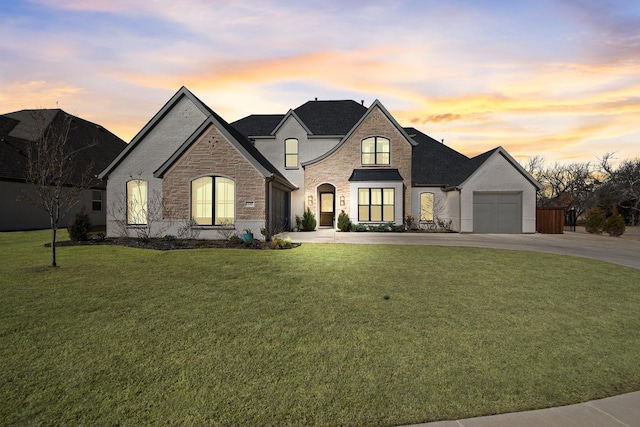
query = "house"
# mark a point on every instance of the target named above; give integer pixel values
(188, 168)
(21, 128)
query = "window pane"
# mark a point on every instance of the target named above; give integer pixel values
(426, 207)
(376, 213)
(369, 145)
(382, 145)
(326, 202)
(202, 200)
(376, 196)
(383, 159)
(291, 161)
(388, 196)
(225, 201)
(137, 202)
(363, 196)
(363, 213)
(96, 200)
(388, 213)
(368, 159)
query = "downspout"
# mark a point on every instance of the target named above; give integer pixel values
(267, 207)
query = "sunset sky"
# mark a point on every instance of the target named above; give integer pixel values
(560, 79)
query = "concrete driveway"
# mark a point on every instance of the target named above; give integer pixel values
(623, 251)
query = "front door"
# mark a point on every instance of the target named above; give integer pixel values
(326, 209)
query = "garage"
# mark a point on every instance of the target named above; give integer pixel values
(497, 212)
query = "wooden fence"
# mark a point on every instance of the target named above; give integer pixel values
(550, 220)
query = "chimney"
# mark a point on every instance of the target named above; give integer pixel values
(362, 102)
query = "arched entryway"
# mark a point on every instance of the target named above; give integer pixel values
(327, 205)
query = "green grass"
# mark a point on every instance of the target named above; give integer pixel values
(319, 335)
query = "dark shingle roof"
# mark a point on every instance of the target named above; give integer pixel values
(375, 175)
(257, 124)
(330, 117)
(82, 133)
(433, 163)
(320, 117)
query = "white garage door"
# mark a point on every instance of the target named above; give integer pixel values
(497, 212)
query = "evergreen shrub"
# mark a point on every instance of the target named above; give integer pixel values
(79, 227)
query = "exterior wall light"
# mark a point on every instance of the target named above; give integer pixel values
(341, 200)
(310, 200)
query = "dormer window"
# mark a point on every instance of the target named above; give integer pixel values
(291, 153)
(376, 151)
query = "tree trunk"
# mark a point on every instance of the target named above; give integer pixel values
(53, 247)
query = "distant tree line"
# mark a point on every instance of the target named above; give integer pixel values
(583, 186)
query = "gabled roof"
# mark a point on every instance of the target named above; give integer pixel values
(436, 165)
(376, 104)
(318, 118)
(293, 114)
(212, 118)
(91, 142)
(479, 160)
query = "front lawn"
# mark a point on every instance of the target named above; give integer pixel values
(319, 335)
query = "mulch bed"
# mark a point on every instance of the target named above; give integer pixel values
(171, 244)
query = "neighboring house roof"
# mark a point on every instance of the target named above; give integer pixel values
(375, 175)
(92, 143)
(212, 118)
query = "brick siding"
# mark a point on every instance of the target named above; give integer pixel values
(337, 168)
(213, 154)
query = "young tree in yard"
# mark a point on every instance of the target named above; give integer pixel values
(51, 169)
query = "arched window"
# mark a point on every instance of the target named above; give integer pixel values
(137, 202)
(426, 207)
(376, 150)
(213, 200)
(291, 153)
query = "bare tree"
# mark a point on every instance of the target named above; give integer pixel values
(570, 185)
(621, 187)
(53, 172)
(147, 215)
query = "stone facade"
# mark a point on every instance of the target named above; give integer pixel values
(337, 168)
(213, 155)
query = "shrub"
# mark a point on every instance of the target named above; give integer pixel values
(280, 243)
(344, 223)
(79, 227)
(359, 227)
(410, 220)
(235, 239)
(595, 220)
(308, 220)
(614, 225)
(189, 229)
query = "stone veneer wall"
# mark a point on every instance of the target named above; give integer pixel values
(213, 154)
(337, 168)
